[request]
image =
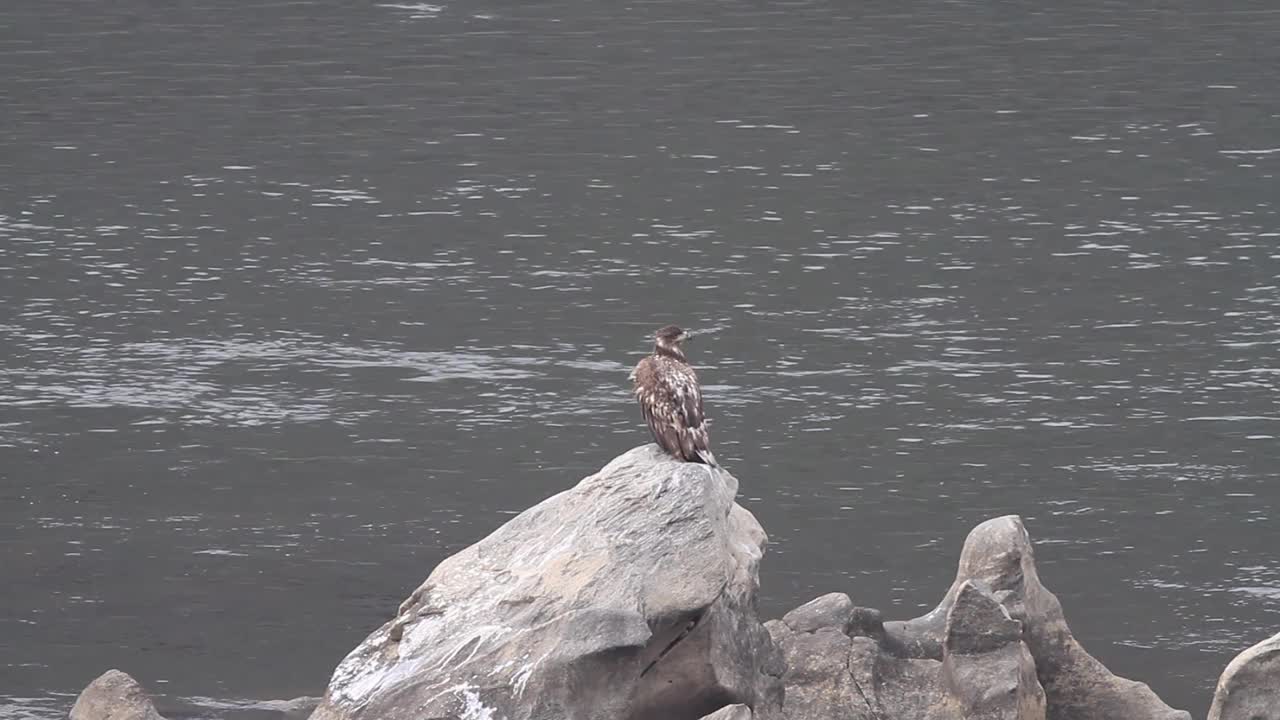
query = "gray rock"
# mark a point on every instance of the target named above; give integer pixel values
(839, 670)
(998, 555)
(996, 648)
(830, 610)
(114, 696)
(818, 679)
(977, 623)
(865, 622)
(730, 712)
(630, 596)
(1249, 688)
(987, 669)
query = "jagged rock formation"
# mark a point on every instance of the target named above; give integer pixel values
(1249, 688)
(628, 597)
(997, 647)
(114, 696)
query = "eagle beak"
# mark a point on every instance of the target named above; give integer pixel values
(686, 335)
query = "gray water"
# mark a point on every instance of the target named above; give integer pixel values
(298, 298)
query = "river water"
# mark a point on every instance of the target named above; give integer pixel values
(298, 298)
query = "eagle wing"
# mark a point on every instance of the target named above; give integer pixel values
(671, 401)
(657, 405)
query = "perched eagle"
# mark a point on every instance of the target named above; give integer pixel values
(667, 388)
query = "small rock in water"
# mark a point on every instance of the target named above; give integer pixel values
(114, 696)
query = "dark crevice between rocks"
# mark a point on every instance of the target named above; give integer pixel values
(683, 633)
(874, 711)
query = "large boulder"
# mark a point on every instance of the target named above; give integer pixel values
(631, 596)
(114, 696)
(996, 648)
(1249, 688)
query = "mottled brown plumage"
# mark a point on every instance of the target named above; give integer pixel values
(671, 399)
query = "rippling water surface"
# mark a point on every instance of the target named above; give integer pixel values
(297, 299)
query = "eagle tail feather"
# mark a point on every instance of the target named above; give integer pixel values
(705, 456)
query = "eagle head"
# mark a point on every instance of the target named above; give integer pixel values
(669, 338)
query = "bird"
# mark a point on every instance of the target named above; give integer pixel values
(670, 398)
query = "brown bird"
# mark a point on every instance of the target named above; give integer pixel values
(671, 400)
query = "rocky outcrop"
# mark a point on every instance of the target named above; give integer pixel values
(996, 647)
(1249, 688)
(628, 597)
(840, 665)
(632, 596)
(114, 696)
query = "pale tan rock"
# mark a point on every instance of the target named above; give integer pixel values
(114, 696)
(1249, 688)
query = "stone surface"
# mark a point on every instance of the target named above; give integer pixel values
(830, 610)
(1249, 688)
(629, 597)
(987, 669)
(977, 623)
(996, 648)
(998, 555)
(730, 712)
(114, 696)
(818, 681)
